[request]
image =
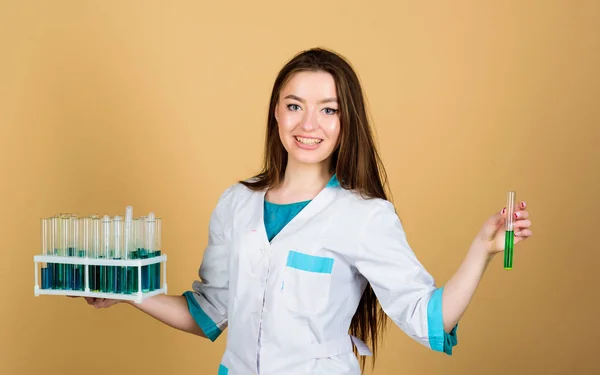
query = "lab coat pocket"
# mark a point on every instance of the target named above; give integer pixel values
(306, 282)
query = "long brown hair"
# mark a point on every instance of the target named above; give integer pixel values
(355, 161)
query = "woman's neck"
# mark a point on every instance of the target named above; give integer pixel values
(301, 182)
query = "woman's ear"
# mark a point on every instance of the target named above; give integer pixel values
(276, 114)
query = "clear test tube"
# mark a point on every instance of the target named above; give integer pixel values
(150, 240)
(117, 235)
(95, 253)
(127, 273)
(509, 238)
(158, 252)
(105, 253)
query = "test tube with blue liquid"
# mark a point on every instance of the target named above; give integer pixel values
(105, 244)
(53, 250)
(157, 252)
(63, 237)
(46, 281)
(127, 273)
(150, 248)
(140, 252)
(95, 253)
(117, 236)
(72, 229)
(84, 249)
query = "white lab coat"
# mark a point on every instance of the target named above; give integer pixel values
(288, 304)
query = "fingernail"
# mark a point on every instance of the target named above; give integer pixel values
(522, 204)
(516, 215)
(503, 210)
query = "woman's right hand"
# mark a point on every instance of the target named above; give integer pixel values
(100, 303)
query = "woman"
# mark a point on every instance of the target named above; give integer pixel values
(306, 260)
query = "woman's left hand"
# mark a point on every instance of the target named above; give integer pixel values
(493, 231)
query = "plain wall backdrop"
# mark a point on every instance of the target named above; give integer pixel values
(162, 105)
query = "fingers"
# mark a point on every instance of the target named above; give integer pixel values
(519, 210)
(522, 223)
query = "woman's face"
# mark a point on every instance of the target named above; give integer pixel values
(308, 117)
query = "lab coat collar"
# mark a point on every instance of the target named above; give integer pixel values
(333, 182)
(316, 205)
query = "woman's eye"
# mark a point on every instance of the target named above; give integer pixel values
(330, 111)
(293, 107)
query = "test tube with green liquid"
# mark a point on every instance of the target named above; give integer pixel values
(509, 236)
(117, 236)
(95, 253)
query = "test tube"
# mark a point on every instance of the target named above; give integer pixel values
(117, 235)
(63, 238)
(146, 250)
(157, 252)
(53, 267)
(45, 227)
(127, 273)
(509, 237)
(84, 247)
(105, 244)
(95, 248)
(72, 271)
(141, 252)
(151, 248)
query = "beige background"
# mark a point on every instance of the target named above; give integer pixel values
(161, 105)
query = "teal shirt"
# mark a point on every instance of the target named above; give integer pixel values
(278, 216)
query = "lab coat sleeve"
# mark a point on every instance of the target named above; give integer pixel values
(207, 301)
(406, 291)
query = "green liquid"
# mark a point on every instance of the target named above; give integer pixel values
(509, 241)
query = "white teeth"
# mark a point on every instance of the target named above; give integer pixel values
(308, 141)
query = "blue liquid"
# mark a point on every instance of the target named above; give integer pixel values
(49, 276)
(69, 275)
(143, 254)
(156, 278)
(95, 278)
(45, 278)
(80, 273)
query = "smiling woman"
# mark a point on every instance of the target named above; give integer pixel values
(306, 260)
(308, 117)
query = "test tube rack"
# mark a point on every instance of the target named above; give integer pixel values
(109, 257)
(138, 296)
